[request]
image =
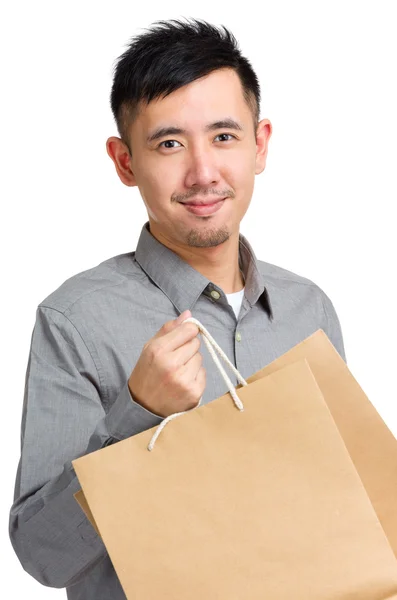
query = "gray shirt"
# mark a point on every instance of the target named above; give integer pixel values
(87, 337)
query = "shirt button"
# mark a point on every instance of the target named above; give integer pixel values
(238, 337)
(216, 295)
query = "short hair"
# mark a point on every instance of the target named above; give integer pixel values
(172, 54)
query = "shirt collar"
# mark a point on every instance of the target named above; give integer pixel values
(183, 285)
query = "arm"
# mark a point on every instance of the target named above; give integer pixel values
(332, 325)
(63, 418)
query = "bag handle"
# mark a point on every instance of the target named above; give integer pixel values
(211, 345)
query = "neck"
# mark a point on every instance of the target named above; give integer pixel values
(219, 264)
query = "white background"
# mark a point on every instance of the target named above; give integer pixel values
(324, 207)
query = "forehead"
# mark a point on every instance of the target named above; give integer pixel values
(203, 100)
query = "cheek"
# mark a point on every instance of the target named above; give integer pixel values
(242, 179)
(159, 175)
(156, 188)
(241, 170)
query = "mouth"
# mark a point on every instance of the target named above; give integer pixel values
(201, 208)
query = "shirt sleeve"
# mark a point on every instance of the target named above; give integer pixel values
(332, 325)
(63, 418)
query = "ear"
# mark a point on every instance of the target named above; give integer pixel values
(263, 133)
(120, 155)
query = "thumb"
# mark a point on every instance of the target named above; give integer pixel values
(185, 315)
(173, 324)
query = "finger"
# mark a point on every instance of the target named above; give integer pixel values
(191, 369)
(172, 324)
(201, 379)
(178, 337)
(184, 353)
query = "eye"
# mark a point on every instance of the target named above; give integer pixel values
(167, 142)
(229, 134)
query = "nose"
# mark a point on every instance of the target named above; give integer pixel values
(202, 169)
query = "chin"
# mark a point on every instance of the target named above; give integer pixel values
(208, 238)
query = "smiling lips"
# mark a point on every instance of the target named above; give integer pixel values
(207, 207)
(197, 202)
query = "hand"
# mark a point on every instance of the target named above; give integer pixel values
(168, 376)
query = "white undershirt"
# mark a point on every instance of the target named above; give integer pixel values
(235, 300)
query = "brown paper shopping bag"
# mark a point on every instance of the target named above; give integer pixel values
(230, 504)
(370, 443)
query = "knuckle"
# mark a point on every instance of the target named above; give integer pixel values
(197, 386)
(167, 326)
(192, 391)
(168, 379)
(198, 358)
(155, 350)
(187, 384)
(170, 376)
(196, 362)
(191, 328)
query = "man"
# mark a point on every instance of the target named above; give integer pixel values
(109, 354)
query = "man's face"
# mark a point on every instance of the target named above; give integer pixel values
(197, 164)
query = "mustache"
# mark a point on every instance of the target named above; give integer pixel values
(196, 193)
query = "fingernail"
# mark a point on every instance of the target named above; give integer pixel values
(183, 316)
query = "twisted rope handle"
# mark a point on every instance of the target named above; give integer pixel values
(212, 346)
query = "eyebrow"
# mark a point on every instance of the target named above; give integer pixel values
(160, 132)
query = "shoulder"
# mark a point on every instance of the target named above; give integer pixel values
(278, 275)
(286, 284)
(299, 299)
(94, 284)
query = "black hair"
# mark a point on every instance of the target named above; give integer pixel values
(170, 56)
